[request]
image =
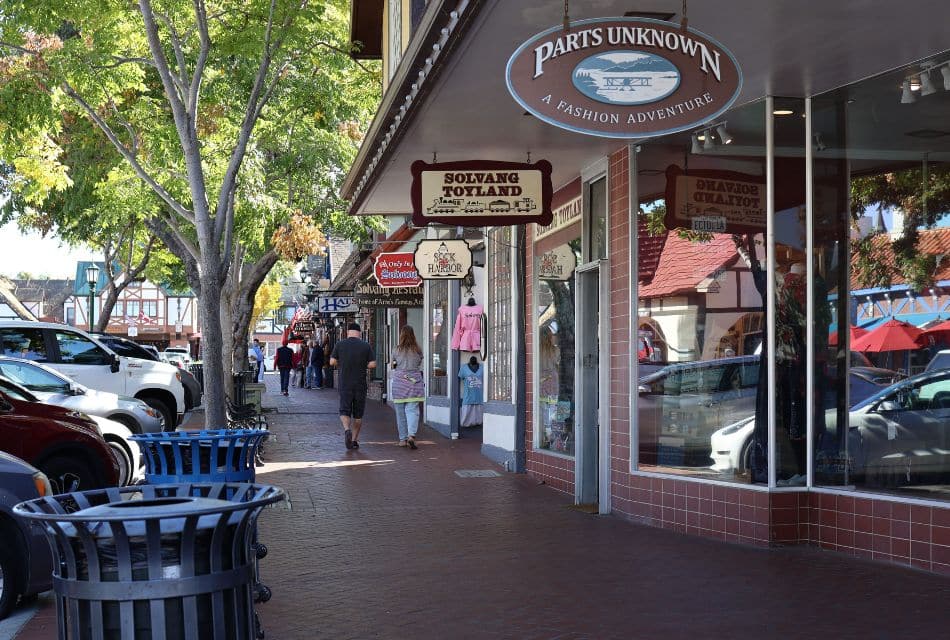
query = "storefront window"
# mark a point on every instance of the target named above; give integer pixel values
(438, 339)
(882, 294)
(499, 314)
(701, 312)
(597, 201)
(555, 287)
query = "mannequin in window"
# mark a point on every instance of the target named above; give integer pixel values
(467, 335)
(471, 376)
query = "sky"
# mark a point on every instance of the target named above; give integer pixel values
(36, 255)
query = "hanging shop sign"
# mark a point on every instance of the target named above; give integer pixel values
(564, 216)
(369, 295)
(715, 201)
(481, 193)
(396, 270)
(443, 259)
(557, 264)
(336, 304)
(623, 77)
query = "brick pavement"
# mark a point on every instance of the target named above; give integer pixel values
(386, 542)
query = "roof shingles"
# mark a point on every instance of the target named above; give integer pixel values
(683, 264)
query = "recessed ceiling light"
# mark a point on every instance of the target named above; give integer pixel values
(783, 112)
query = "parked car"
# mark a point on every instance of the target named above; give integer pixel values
(125, 452)
(88, 361)
(26, 564)
(177, 353)
(64, 444)
(941, 360)
(682, 404)
(902, 430)
(130, 349)
(52, 387)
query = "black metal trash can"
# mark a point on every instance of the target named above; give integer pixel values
(198, 371)
(154, 561)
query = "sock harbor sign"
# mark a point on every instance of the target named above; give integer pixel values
(623, 77)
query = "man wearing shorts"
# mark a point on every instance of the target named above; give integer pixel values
(353, 357)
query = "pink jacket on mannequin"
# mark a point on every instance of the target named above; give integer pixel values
(468, 328)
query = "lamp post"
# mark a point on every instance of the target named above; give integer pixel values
(92, 278)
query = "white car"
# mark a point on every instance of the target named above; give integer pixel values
(83, 358)
(181, 354)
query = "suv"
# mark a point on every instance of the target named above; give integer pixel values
(126, 347)
(940, 361)
(79, 356)
(26, 564)
(177, 353)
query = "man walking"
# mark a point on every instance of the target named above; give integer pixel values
(284, 362)
(258, 360)
(315, 370)
(354, 357)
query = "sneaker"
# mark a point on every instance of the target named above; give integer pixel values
(348, 439)
(356, 445)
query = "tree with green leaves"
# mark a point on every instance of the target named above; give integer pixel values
(219, 118)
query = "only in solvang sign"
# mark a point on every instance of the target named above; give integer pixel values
(624, 77)
(443, 259)
(396, 270)
(481, 193)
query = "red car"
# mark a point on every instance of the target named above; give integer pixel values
(64, 444)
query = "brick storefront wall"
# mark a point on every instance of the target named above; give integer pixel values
(863, 527)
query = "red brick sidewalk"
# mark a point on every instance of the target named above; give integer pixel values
(386, 542)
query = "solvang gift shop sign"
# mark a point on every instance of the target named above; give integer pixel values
(396, 270)
(623, 77)
(481, 193)
(443, 259)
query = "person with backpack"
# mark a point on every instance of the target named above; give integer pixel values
(284, 362)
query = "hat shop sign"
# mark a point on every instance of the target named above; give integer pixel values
(443, 259)
(395, 270)
(623, 77)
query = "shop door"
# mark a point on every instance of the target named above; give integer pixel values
(591, 488)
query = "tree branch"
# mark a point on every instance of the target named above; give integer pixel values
(201, 15)
(346, 53)
(181, 78)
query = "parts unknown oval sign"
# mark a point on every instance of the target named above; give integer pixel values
(623, 77)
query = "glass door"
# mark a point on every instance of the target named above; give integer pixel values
(590, 487)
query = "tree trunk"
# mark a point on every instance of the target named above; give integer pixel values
(106, 311)
(216, 379)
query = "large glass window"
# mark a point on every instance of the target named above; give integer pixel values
(882, 279)
(556, 257)
(702, 393)
(438, 338)
(499, 314)
(597, 203)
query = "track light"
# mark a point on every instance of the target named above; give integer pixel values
(926, 86)
(724, 136)
(945, 72)
(696, 148)
(907, 96)
(708, 143)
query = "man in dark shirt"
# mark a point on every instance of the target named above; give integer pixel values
(353, 356)
(284, 362)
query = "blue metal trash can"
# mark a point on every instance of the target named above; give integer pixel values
(154, 561)
(219, 455)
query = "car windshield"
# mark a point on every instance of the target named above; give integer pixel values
(903, 385)
(33, 377)
(128, 349)
(940, 361)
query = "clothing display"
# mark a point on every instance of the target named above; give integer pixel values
(468, 328)
(471, 376)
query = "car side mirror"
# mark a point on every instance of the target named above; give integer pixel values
(888, 405)
(114, 365)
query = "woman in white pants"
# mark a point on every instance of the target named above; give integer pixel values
(408, 386)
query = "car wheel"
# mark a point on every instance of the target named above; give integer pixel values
(68, 474)
(168, 418)
(128, 423)
(122, 459)
(8, 581)
(745, 458)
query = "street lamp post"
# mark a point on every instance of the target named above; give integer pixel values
(92, 278)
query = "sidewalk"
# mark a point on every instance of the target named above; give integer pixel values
(385, 542)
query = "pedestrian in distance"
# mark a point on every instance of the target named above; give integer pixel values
(408, 386)
(315, 370)
(258, 360)
(284, 362)
(303, 361)
(354, 357)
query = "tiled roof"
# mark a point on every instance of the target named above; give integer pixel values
(684, 264)
(649, 250)
(934, 242)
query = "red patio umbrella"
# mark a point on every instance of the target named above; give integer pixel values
(856, 332)
(893, 335)
(939, 332)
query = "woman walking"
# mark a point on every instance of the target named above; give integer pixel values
(408, 386)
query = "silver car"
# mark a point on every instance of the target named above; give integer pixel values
(52, 387)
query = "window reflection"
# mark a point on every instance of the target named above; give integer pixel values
(439, 353)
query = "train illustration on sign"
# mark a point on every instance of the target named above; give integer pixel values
(443, 206)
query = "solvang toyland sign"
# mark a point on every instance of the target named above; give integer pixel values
(443, 259)
(481, 192)
(623, 77)
(715, 201)
(396, 270)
